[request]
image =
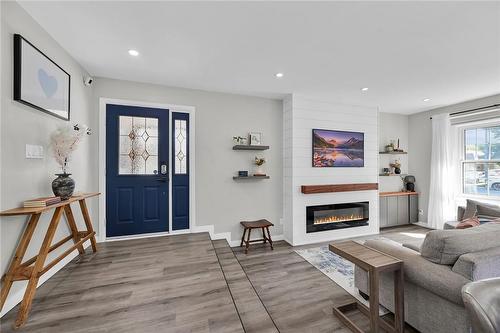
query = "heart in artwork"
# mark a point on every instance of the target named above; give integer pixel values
(47, 82)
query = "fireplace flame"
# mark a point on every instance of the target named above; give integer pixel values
(336, 219)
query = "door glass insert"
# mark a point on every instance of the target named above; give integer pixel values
(180, 153)
(138, 150)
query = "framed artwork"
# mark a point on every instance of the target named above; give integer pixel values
(38, 81)
(255, 138)
(338, 149)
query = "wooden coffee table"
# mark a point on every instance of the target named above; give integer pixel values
(374, 262)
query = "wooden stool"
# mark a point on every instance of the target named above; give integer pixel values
(259, 224)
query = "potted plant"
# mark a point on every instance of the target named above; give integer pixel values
(259, 162)
(63, 142)
(397, 167)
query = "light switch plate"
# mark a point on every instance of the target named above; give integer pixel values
(34, 151)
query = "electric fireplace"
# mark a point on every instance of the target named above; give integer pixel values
(337, 216)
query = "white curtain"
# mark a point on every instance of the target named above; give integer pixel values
(444, 182)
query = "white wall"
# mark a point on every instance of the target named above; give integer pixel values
(221, 201)
(301, 115)
(420, 145)
(392, 126)
(23, 178)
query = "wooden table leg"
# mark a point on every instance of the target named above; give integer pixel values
(247, 245)
(374, 301)
(269, 238)
(18, 257)
(399, 304)
(40, 261)
(264, 235)
(243, 237)
(88, 223)
(70, 218)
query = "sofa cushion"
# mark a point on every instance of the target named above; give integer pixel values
(479, 265)
(446, 246)
(414, 245)
(438, 279)
(470, 210)
(485, 211)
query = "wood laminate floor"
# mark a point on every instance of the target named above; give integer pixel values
(187, 283)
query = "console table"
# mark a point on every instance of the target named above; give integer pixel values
(33, 268)
(374, 262)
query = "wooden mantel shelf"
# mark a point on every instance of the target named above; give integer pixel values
(315, 189)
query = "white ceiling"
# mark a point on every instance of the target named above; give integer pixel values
(403, 51)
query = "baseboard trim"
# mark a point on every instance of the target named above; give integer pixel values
(15, 298)
(225, 235)
(423, 224)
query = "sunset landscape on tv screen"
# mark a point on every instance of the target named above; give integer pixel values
(338, 149)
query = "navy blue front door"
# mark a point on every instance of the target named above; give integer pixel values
(137, 179)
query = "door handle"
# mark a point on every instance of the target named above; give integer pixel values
(163, 168)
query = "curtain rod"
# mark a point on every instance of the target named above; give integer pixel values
(471, 110)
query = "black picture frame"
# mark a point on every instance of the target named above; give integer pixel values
(353, 133)
(18, 83)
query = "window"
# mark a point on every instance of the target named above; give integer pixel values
(180, 146)
(481, 161)
(138, 146)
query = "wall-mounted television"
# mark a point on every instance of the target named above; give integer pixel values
(333, 149)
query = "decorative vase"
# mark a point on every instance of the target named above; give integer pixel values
(397, 171)
(63, 186)
(259, 171)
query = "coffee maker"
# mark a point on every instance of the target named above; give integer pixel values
(409, 182)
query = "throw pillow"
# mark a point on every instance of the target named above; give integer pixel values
(470, 210)
(446, 246)
(468, 223)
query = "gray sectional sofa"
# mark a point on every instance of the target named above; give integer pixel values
(435, 273)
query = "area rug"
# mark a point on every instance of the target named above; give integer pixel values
(338, 269)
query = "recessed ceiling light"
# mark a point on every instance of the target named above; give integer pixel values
(426, 99)
(279, 75)
(364, 89)
(133, 53)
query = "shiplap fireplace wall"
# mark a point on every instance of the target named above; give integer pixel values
(300, 116)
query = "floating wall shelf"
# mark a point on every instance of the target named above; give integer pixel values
(393, 152)
(250, 177)
(393, 175)
(250, 147)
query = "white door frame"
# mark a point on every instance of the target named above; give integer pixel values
(101, 234)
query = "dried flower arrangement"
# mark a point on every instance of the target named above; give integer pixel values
(259, 161)
(64, 142)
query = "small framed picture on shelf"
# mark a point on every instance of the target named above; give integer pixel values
(255, 138)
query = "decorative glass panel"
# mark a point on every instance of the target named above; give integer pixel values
(138, 146)
(180, 153)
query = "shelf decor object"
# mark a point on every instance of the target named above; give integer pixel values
(33, 268)
(38, 81)
(255, 138)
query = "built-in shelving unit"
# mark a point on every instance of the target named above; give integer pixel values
(250, 147)
(250, 177)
